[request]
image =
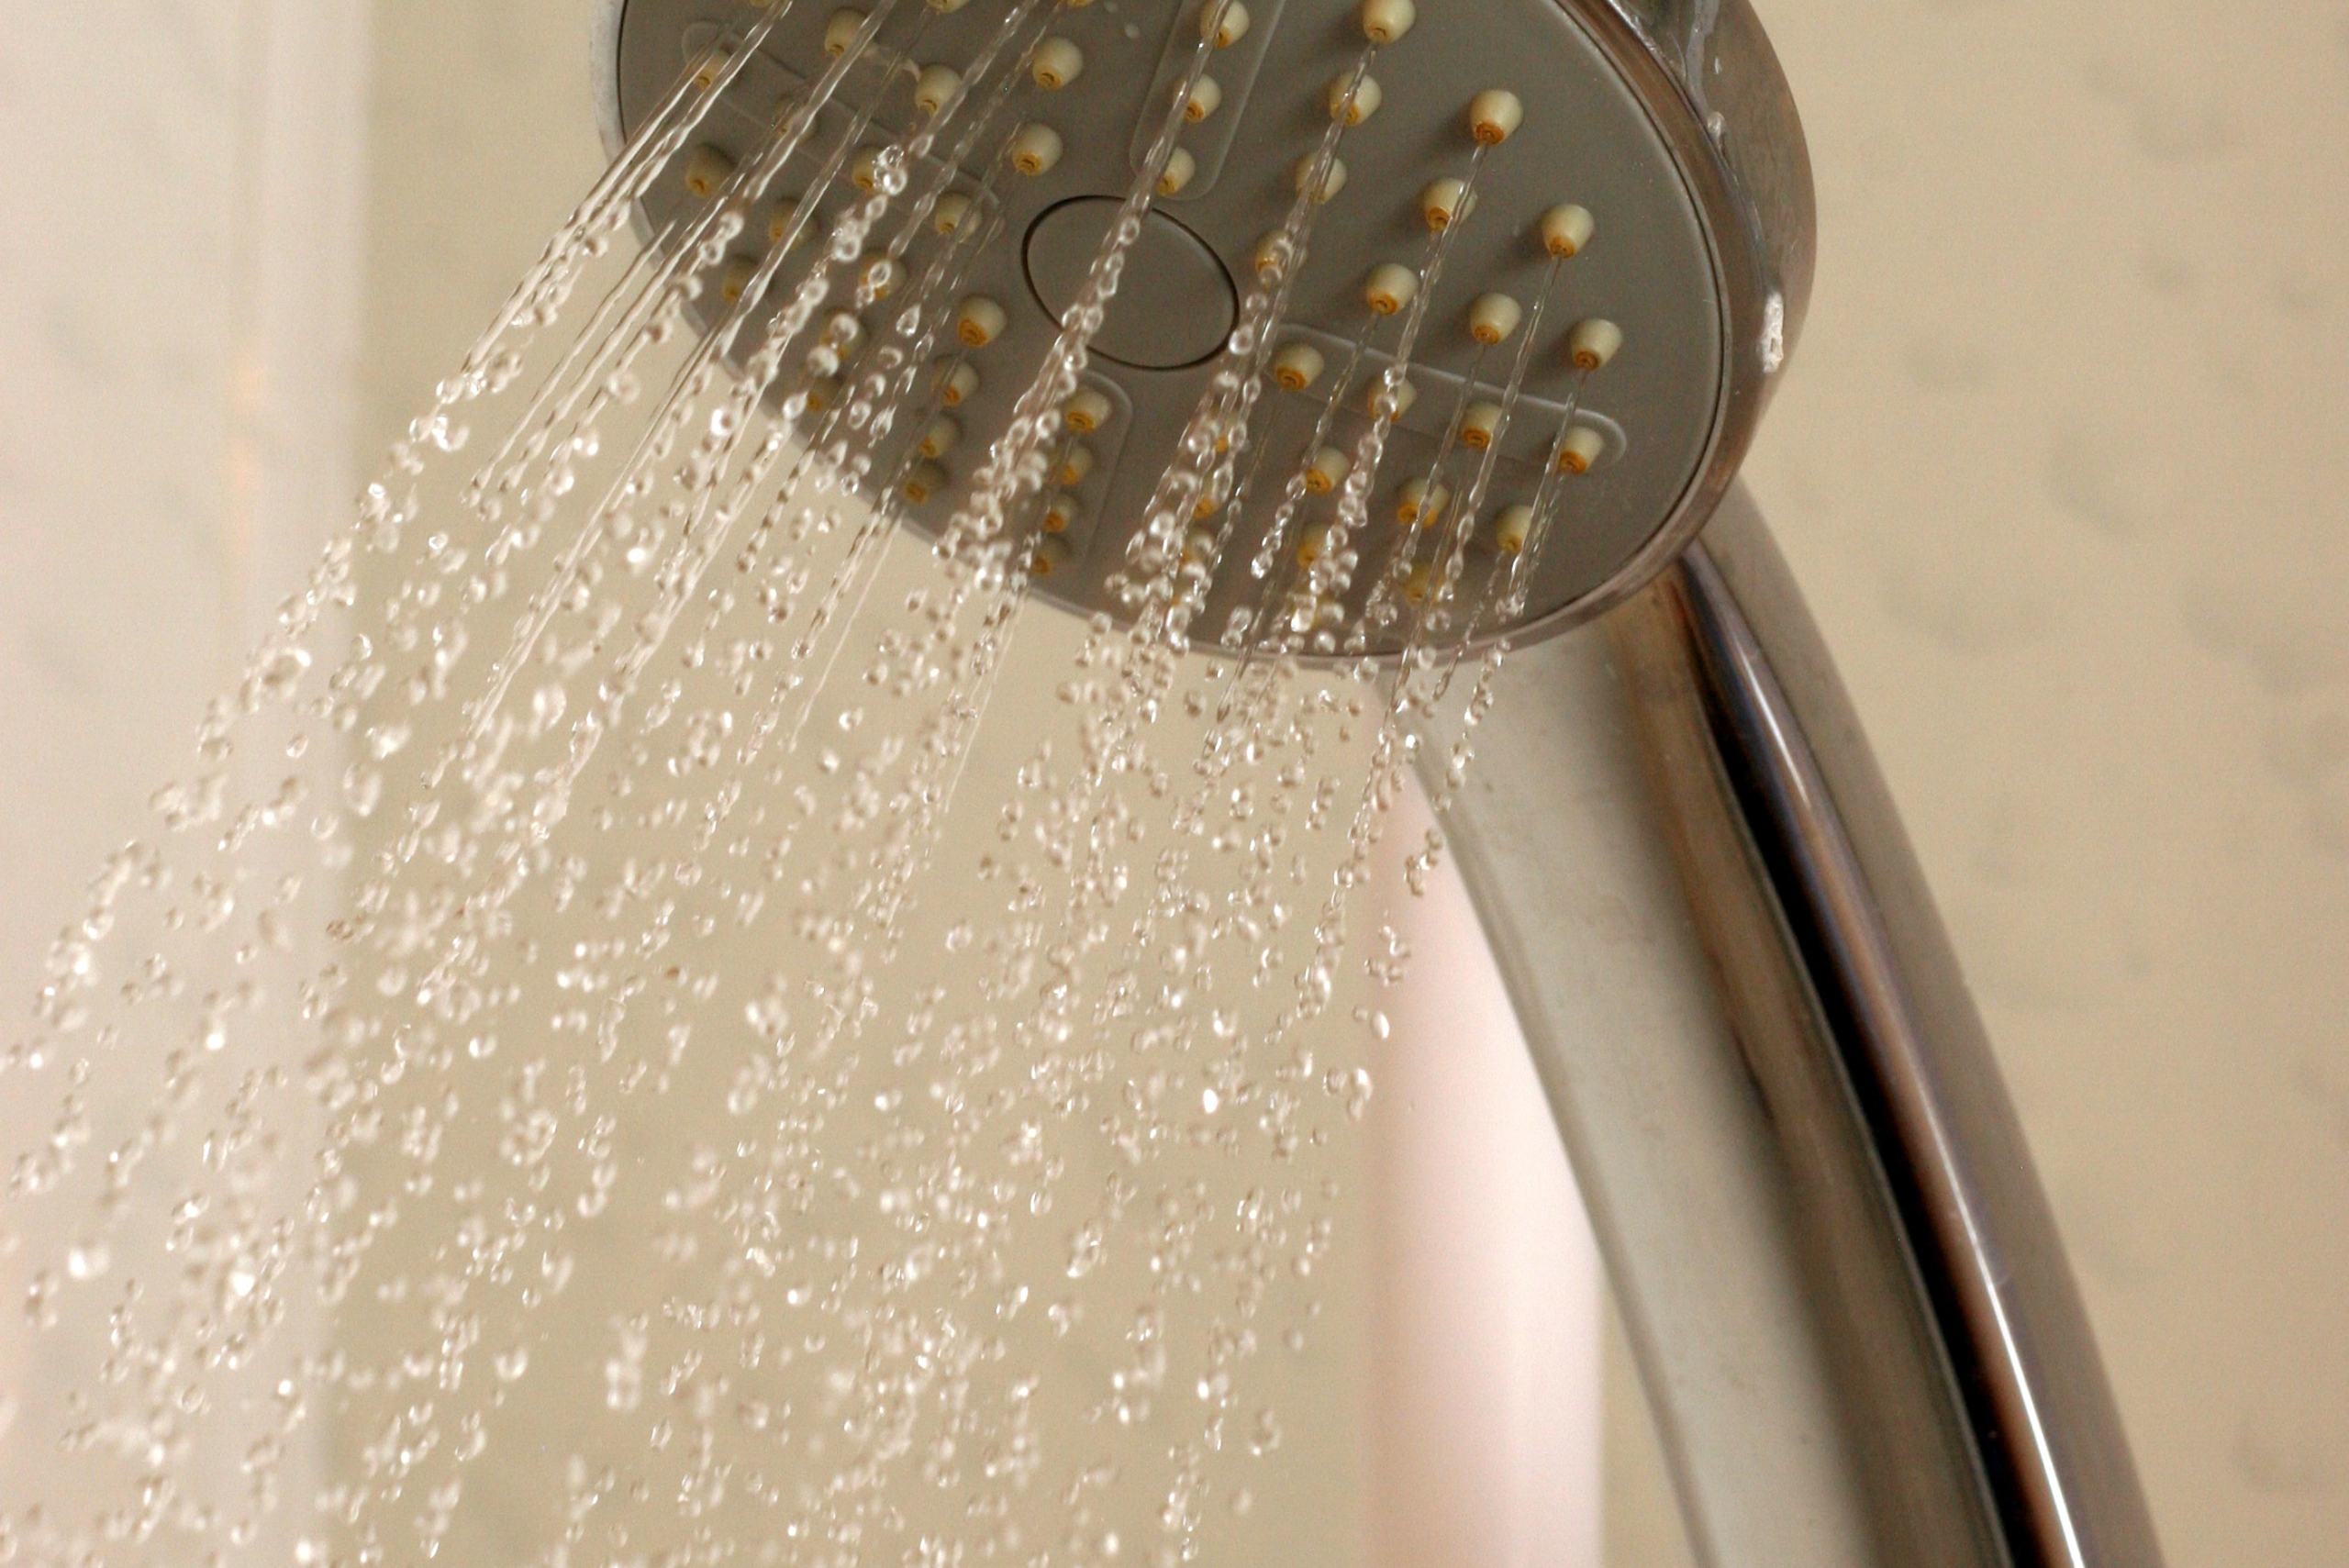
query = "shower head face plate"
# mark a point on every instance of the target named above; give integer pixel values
(1704, 278)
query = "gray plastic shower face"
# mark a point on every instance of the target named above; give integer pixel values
(1676, 133)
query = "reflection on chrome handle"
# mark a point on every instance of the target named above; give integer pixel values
(1787, 840)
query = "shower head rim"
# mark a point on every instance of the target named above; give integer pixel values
(1730, 124)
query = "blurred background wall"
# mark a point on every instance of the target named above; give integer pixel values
(180, 311)
(2060, 462)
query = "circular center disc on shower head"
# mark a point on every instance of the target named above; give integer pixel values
(1175, 304)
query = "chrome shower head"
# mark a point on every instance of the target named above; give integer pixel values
(1653, 143)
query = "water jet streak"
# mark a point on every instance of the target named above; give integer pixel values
(663, 1027)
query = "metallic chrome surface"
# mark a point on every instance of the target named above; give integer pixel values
(1680, 1159)
(1849, 1301)
(1861, 924)
(1889, 1380)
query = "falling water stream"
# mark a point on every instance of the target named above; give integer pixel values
(558, 965)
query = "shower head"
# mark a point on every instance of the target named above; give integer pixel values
(1614, 194)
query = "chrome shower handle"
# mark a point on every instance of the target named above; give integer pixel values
(1861, 923)
(1858, 1330)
